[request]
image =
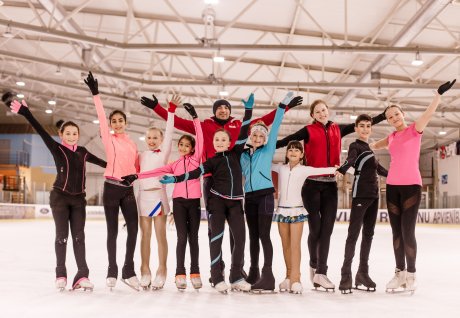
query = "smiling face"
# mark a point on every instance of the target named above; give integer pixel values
(364, 129)
(222, 112)
(221, 141)
(320, 113)
(70, 135)
(294, 155)
(184, 146)
(153, 138)
(118, 123)
(257, 139)
(395, 117)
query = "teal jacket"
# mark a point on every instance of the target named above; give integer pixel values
(257, 166)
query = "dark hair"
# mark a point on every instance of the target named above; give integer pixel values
(225, 131)
(392, 106)
(117, 111)
(296, 145)
(62, 125)
(190, 139)
(362, 117)
(316, 103)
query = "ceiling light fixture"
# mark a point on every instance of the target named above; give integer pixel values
(49, 111)
(52, 102)
(8, 33)
(20, 83)
(417, 60)
(20, 95)
(96, 121)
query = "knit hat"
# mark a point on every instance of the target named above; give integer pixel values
(221, 102)
(261, 128)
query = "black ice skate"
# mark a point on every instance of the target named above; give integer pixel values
(254, 275)
(346, 284)
(266, 283)
(363, 278)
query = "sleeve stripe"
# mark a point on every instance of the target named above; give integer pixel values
(246, 122)
(243, 141)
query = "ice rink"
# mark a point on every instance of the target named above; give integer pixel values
(27, 279)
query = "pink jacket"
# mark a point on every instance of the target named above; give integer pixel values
(120, 150)
(190, 189)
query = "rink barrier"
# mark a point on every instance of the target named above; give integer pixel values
(40, 211)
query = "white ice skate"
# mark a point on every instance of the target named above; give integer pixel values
(158, 282)
(132, 282)
(83, 283)
(222, 287)
(146, 281)
(241, 285)
(285, 285)
(181, 282)
(312, 275)
(296, 288)
(61, 283)
(398, 281)
(111, 282)
(411, 282)
(196, 281)
(321, 280)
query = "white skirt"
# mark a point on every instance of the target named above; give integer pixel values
(153, 203)
(290, 214)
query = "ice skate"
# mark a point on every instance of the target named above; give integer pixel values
(266, 283)
(181, 282)
(83, 283)
(132, 282)
(296, 288)
(146, 281)
(241, 285)
(158, 282)
(345, 284)
(285, 285)
(312, 275)
(210, 279)
(321, 280)
(61, 283)
(362, 278)
(398, 281)
(221, 287)
(195, 279)
(111, 282)
(411, 282)
(254, 275)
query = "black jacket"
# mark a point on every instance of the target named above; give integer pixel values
(362, 159)
(70, 165)
(225, 167)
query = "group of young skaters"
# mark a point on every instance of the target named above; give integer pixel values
(234, 159)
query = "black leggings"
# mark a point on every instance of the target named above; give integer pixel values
(116, 196)
(403, 202)
(69, 209)
(320, 200)
(207, 185)
(363, 214)
(259, 217)
(231, 210)
(187, 216)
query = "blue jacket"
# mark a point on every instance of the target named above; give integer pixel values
(257, 166)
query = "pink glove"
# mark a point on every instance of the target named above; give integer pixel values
(16, 106)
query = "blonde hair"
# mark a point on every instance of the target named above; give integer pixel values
(153, 128)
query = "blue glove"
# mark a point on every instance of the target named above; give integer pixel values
(167, 179)
(249, 103)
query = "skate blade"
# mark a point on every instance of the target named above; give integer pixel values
(90, 289)
(366, 289)
(295, 292)
(399, 291)
(61, 289)
(346, 291)
(130, 286)
(155, 288)
(284, 290)
(324, 290)
(262, 291)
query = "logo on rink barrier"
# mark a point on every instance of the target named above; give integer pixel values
(428, 216)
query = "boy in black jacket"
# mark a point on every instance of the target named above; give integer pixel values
(365, 203)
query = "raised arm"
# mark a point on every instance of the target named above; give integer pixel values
(169, 131)
(350, 128)
(95, 160)
(199, 141)
(179, 123)
(381, 144)
(299, 135)
(23, 109)
(243, 136)
(351, 159)
(423, 120)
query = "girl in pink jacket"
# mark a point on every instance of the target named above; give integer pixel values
(186, 200)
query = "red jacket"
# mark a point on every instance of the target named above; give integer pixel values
(324, 145)
(209, 126)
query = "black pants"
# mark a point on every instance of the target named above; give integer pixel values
(207, 185)
(116, 196)
(187, 216)
(69, 209)
(320, 200)
(259, 216)
(231, 210)
(363, 214)
(403, 202)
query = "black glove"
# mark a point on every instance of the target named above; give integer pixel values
(296, 101)
(92, 84)
(7, 98)
(149, 103)
(191, 110)
(445, 87)
(129, 179)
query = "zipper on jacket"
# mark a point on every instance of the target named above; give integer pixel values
(231, 176)
(186, 188)
(287, 188)
(327, 146)
(250, 170)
